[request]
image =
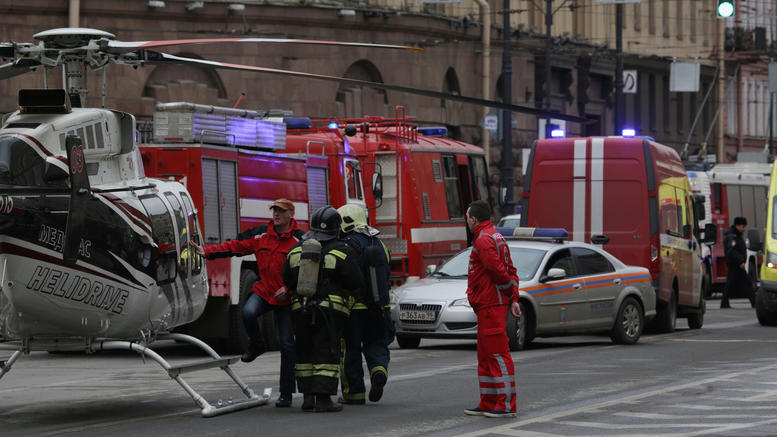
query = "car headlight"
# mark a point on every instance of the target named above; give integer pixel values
(463, 302)
(771, 260)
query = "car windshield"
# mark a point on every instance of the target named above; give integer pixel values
(525, 261)
(509, 223)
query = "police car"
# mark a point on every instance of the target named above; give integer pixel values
(565, 288)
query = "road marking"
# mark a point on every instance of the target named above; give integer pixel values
(603, 425)
(747, 340)
(686, 416)
(508, 428)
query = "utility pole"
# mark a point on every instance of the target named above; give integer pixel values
(619, 103)
(548, 49)
(508, 206)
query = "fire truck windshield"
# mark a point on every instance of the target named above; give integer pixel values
(20, 165)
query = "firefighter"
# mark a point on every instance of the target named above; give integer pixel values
(369, 330)
(323, 275)
(270, 245)
(736, 256)
(492, 287)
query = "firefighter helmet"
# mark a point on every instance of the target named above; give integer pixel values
(353, 217)
(324, 224)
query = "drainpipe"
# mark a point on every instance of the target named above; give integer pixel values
(485, 18)
(73, 14)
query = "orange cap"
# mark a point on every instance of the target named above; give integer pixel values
(284, 204)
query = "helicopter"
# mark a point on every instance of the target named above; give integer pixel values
(93, 254)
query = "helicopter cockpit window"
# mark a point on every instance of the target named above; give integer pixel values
(21, 165)
(194, 233)
(183, 233)
(165, 260)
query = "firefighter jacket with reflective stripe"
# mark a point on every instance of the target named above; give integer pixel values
(270, 250)
(492, 278)
(339, 277)
(373, 258)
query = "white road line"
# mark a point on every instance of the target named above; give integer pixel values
(551, 417)
(601, 425)
(718, 407)
(686, 416)
(728, 428)
(745, 340)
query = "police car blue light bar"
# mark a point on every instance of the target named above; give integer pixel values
(534, 233)
(433, 131)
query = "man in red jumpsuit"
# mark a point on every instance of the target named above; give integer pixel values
(270, 246)
(492, 287)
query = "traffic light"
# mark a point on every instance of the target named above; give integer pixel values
(725, 8)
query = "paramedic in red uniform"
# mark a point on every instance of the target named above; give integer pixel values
(269, 293)
(492, 287)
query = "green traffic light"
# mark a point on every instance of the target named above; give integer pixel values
(725, 9)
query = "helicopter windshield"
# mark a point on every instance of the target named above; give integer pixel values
(20, 165)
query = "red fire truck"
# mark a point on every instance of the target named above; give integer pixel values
(423, 183)
(234, 164)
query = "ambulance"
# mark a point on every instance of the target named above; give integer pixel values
(632, 195)
(766, 295)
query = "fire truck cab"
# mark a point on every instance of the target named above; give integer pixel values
(633, 196)
(422, 184)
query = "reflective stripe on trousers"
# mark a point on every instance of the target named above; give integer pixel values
(496, 370)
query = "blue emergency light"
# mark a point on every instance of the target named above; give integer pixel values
(297, 122)
(557, 133)
(557, 234)
(433, 131)
(332, 125)
(629, 132)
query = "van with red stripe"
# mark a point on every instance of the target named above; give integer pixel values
(633, 196)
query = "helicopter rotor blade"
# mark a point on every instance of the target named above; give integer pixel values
(152, 57)
(117, 47)
(18, 67)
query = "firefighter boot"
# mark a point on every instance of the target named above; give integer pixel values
(324, 404)
(378, 380)
(284, 400)
(309, 402)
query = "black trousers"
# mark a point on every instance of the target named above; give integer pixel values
(737, 281)
(317, 349)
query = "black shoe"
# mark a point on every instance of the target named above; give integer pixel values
(284, 400)
(252, 352)
(378, 380)
(324, 404)
(309, 402)
(351, 401)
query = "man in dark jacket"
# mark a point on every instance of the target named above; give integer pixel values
(323, 282)
(736, 257)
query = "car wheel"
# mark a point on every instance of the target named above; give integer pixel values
(765, 317)
(629, 322)
(666, 318)
(696, 319)
(516, 329)
(408, 342)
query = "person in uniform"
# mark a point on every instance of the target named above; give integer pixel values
(323, 276)
(369, 330)
(492, 288)
(270, 244)
(736, 255)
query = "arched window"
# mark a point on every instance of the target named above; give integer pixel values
(357, 101)
(201, 85)
(451, 110)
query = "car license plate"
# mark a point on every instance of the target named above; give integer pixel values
(428, 316)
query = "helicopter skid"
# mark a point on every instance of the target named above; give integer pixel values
(174, 372)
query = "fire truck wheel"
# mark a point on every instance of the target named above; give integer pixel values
(237, 342)
(666, 318)
(696, 319)
(766, 316)
(629, 322)
(408, 342)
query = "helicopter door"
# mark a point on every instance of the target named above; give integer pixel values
(183, 233)
(165, 259)
(195, 260)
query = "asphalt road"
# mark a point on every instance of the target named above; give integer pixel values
(720, 380)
